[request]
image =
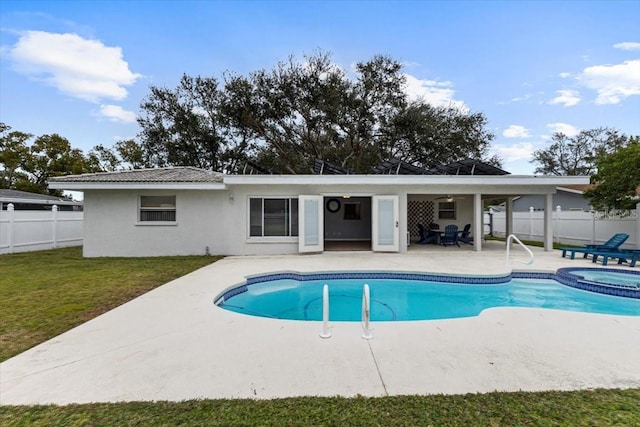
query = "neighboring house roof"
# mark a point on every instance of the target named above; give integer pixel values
(16, 196)
(578, 189)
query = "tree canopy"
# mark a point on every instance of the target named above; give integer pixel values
(578, 155)
(27, 165)
(618, 179)
(282, 119)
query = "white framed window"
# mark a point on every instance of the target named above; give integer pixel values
(352, 210)
(153, 209)
(446, 210)
(273, 216)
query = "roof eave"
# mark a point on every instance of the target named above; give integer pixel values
(404, 179)
(39, 201)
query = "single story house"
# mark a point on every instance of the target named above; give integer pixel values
(25, 201)
(186, 211)
(569, 198)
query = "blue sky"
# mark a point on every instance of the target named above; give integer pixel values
(82, 68)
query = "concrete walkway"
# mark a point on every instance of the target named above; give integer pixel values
(174, 344)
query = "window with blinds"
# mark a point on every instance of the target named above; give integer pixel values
(157, 209)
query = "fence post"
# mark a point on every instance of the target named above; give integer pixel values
(593, 226)
(10, 210)
(54, 222)
(491, 221)
(638, 226)
(530, 222)
(558, 210)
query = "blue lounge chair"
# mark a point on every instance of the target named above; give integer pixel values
(625, 255)
(450, 236)
(465, 235)
(426, 236)
(611, 245)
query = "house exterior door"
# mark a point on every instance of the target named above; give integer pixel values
(385, 224)
(310, 224)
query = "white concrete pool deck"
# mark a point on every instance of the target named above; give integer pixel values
(173, 344)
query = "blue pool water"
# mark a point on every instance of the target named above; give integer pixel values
(394, 300)
(629, 279)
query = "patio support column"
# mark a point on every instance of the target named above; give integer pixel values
(478, 223)
(508, 216)
(548, 222)
(638, 226)
(403, 222)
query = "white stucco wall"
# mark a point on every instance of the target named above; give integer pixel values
(237, 239)
(217, 219)
(111, 227)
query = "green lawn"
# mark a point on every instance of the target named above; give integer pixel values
(585, 408)
(45, 293)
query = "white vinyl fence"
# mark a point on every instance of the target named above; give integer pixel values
(24, 231)
(571, 227)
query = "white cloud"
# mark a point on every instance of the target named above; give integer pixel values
(516, 131)
(434, 92)
(116, 113)
(521, 98)
(514, 152)
(613, 83)
(82, 68)
(627, 46)
(563, 128)
(566, 97)
(565, 75)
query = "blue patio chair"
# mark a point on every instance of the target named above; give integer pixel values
(450, 236)
(465, 235)
(426, 236)
(611, 245)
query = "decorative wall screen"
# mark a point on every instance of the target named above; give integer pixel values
(419, 212)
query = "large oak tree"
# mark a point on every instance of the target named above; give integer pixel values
(578, 155)
(282, 119)
(27, 165)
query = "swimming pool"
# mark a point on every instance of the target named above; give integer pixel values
(403, 296)
(629, 279)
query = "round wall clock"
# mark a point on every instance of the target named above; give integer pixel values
(333, 205)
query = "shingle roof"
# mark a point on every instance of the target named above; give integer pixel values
(578, 187)
(171, 174)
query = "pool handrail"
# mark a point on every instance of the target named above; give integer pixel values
(514, 237)
(325, 312)
(366, 312)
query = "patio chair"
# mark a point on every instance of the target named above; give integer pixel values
(465, 235)
(450, 236)
(426, 236)
(611, 245)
